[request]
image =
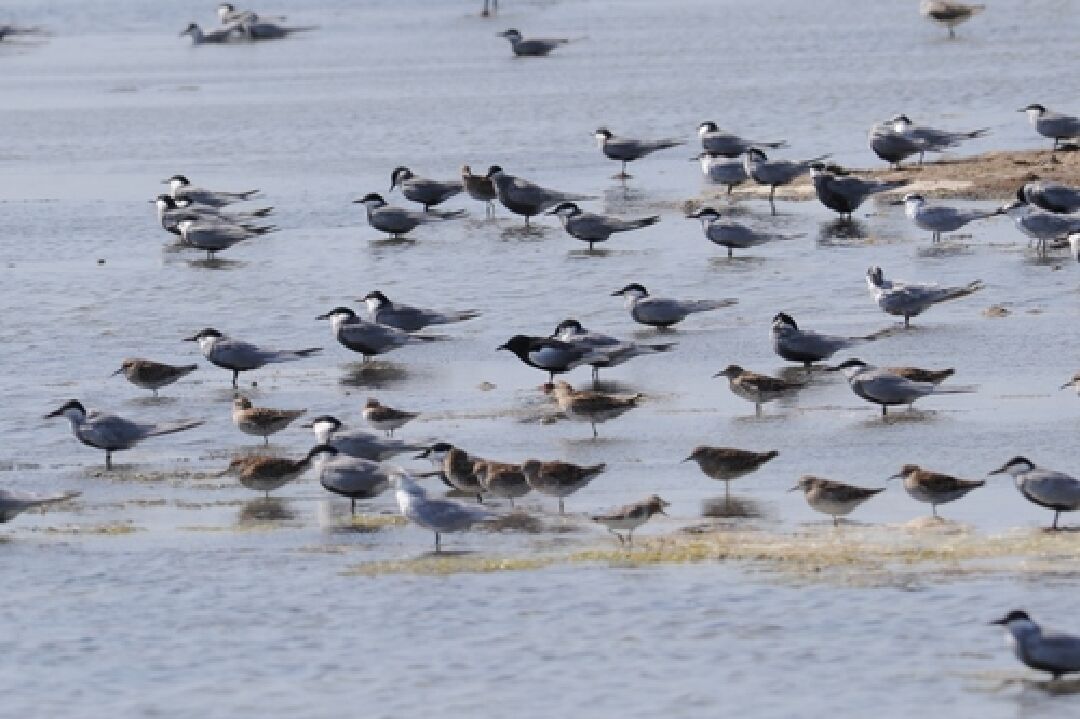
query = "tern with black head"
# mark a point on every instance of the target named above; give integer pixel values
(593, 228)
(843, 193)
(733, 235)
(408, 318)
(1054, 125)
(428, 193)
(663, 312)
(726, 144)
(368, 338)
(886, 388)
(533, 46)
(625, 149)
(794, 344)
(775, 173)
(1056, 653)
(551, 355)
(527, 198)
(239, 356)
(182, 189)
(397, 221)
(1045, 487)
(614, 351)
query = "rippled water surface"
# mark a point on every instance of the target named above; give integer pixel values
(165, 590)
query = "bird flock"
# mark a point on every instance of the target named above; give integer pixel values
(355, 463)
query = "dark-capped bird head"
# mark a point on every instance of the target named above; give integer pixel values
(343, 313)
(376, 299)
(72, 409)
(203, 334)
(875, 276)
(371, 200)
(731, 371)
(494, 171)
(518, 344)
(1017, 618)
(707, 127)
(756, 155)
(914, 197)
(783, 318)
(1015, 466)
(705, 213)
(570, 326)
(602, 134)
(399, 175)
(1034, 110)
(565, 209)
(510, 34)
(632, 290)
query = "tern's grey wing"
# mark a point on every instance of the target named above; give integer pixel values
(393, 219)
(539, 45)
(590, 226)
(13, 502)
(884, 386)
(431, 192)
(1052, 488)
(732, 172)
(241, 355)
(813, 344)
(1053, 196)
(1062, 126)
(108, 431)
(354, 476)
(659, 310)
(945, 219)
(372, 335)
(734, 234)
(444, 515)
(1052, 651)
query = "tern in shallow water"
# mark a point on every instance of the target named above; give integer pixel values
(409, 318)
(170, 213)
(631, 516)
(264, 29)
(663, 312)
(110, 432)
(368, 338)
(593, 228)
(1054, 125)
(1050, 196)
(527, 198)
(907, 299)
(152, 375)
(775, 173)
(722, 170)
(480, 188)
(886, 388)
(1042, 226)
(239, 356)
(625, 149)
(806, 346)
(844, 193)
(1045, 487)
(213, 236)
(182, 189)
(350, 477)
(833, 498)
(441, 516)
(358, 442)
(428, 193)
(949, 13)
(1038, 648)
(551, 355)
(934, 488)
(614, 351)
(719, 142)
(733, 235)
(900, 138)
(938, 219)
(199, 36)
(397, 221)
(13, 502)
(533, 46)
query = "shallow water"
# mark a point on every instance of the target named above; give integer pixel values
(165, 590)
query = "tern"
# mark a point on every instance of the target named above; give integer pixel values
(559, 479)
(215, 36)
(441, 516)
(349, 476)
(457, 466)
(833, 498)
(754, 387)
(261, 421)
(722, 170)
(662, 312)
(844, 193)
(1053, 125)
(551, 355)
(239, 356)
(938, 219)
(502, 479)
(589, 406)
(806, 346)
(615, 351)
(1045, 487)
(728, 463)
(386, 419)
(110, 432)
(152, 375)
(491, 7)
(733, 235)
(718, 142)
(948, 13)
(409, 318)
(593, 228)
(625, 149)
(1053, 652)
(775, 173)
(480, 188)
(907, 300)
(526, 198)
(227, 13)
(368, 338)
(934, 488)
(1050, 196)
(397, 221)
(428, 193)
(631, 516)
(358, 442)
(171, 212)
(213, 236)
(1042, 226)
(531, 47)
(263, 29)
(182, 189)
(900, 138)
(13, 502)
(884, 387)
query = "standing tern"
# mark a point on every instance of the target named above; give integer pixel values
(152, 375)
(900, 138)
(662, 312)
(630, 517)
(358, 442)
(1050, 196)
(718, 142)
(227, 13)
(1045, 487)
(551, 355)
(733, 235)
(182, 189)
(1041, 226)
(938, 219)
(833, 498)
(110, 432)
(728, 463)
(884, 387)
(1038, 648)
(214, 237)
(428, 193)
(1054, 125)
(559, 479)
(526, 198)
(614, 351)
(215, 36)
(775, 173)
(386, 419)
(589, 406)
(368, 338)
(13, 502)
(531, 47)
(844, 193)
(409, 318)
(754, 387)
(625, 149)
(491, 7)
(722, 170)
(350, 477)
(934, 488)
(239, 356)
(906, 299)
(441, 516)
(170, 213)
(480, 188)
(593, 228)
(806, 346)
(263, 29)
(397, 221)
(261, 421)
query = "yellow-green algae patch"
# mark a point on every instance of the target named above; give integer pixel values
(107, 529)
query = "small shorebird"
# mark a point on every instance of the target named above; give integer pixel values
(728, 463)
(1074, 382)
(398, 221)
(559, 479)
(1045, 487)
(527, 198)
(662, 312)
(833, 498)
(501, 479)
(369, 339)
(615, 351)
(13, 502)
(938, 219)
(593, 228)
(807, 346)
(589, 406)
(152, 375)
(934, 488)
(261, 421)
(428, 193)
(1053, 125)
(948, 13)
(265, 474)
(843, 193)
(906, 299)
(888, 388)
(228, 33)
(625, 149)
(733, 235)
(480, 188)
(441, 516)
(531, 47)
(112, 433)
(239, 356)
(350, 477)
(457, 466)
(406, 317)
(631, 516)
(551, 355)
(719, 142)
(754, 387)
(386, 419)
(182, 189)
(775, 173)
(1047, 651)
(358, 442)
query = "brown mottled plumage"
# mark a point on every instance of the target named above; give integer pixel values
(630, 517)
(935, 488)
(152, 375)
(728, 463)
(261, 421)
(833, 498)
(589, 406)
(384, 418)
(559, 479)
(264, 474)
(501, 479)
(757, 388)
(479, 187)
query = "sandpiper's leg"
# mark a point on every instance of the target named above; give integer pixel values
(933, 508)
(438, 543)
(235, 377)
(594, 434)
(835, 521)
(772, 191)
(1057, 513)
(267, 494)
(266, 440)
(730, 252)
(108, 459)
(561, 506)
(352, 507)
